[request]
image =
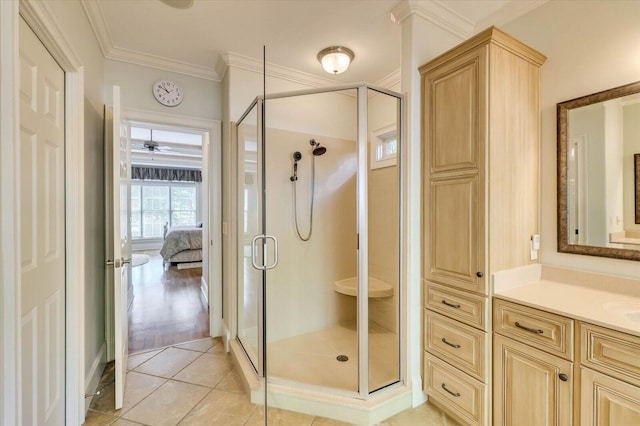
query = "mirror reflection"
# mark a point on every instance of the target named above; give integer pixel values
(598, 143)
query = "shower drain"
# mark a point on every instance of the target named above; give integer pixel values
(342, 358)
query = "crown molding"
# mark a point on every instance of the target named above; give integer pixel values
(162, 63)
(391, 80)
(234, 60)
(508, 13)
(436, 13)
(96, 20)
(99, 26)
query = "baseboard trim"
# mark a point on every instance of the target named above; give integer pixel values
(93, 378)
(419, 397)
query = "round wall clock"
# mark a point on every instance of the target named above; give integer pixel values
(167, 93)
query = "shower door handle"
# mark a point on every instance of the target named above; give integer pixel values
(275, 252)
(254, 252)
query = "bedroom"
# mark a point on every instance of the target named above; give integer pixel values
(169, 301)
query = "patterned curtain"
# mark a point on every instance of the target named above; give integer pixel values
(160, 173)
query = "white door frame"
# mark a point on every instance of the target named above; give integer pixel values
(41, 21)
(211, 172)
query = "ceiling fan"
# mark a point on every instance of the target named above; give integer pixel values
(151, 145)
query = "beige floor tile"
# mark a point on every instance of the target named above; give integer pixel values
(425, 414)
(167, 405)
(278, 417)
(123, 422)
(221, 408)
(232, 382)
(323, 421)
(135, 360)
(94, 418)
(168, 362)
(202, 345)
(218, 347)
(208, 370)
(137, 387)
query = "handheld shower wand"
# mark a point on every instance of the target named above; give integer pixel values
(317, 151)
(297, 156)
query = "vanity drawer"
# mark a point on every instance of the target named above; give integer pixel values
(543, 330)
(461, 345)
(465, 307)
(455, 391)
(611, 352)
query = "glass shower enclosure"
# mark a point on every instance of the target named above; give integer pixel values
(318, 226)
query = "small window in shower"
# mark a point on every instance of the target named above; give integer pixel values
(384, 147)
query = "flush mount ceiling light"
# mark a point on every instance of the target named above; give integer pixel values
(335, 59)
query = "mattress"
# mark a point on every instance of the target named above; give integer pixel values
(187, 256)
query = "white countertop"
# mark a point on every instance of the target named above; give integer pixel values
(588, 303)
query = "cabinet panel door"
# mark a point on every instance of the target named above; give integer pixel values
(454, 243)
(527, 386)
(608, 402)
(454, 102)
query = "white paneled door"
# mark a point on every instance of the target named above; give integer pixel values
(119, 254)
(41, 233)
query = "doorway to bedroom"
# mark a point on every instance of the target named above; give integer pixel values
(168, 209)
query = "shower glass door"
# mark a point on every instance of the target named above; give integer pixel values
(249, 207)
(311, 207)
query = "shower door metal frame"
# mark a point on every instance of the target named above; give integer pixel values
(363, 392)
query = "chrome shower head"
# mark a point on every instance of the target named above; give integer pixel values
(319, 150)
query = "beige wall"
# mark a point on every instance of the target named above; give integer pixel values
(590, 46)
(202, 98)
(300, 291)
(73, 22)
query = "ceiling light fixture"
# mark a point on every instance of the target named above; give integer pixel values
(335, 59)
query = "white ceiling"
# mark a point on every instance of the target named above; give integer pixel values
(191, 40)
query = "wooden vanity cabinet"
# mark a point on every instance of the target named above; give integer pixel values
(610, 377)
(481, 143)
(532, 367)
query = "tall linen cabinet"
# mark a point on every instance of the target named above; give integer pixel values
(480, 165)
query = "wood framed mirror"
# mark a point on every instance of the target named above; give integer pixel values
(598, 169)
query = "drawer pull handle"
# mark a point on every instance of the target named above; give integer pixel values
(563, 377)
(530, 330)
(444, 302)
(456, 394)
(450, 344)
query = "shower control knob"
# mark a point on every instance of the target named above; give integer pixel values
(479, 274)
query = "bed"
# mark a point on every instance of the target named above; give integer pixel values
(182, 244)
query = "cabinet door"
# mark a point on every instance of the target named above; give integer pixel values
(454, 239)
(455, 113)
(531, 387)
(608, 402)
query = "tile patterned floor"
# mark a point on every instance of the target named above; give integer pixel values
(196, 384)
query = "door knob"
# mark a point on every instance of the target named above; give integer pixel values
(479, 274)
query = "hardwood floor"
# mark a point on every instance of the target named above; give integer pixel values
(168, 306)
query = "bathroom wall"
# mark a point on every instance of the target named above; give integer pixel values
(202, 98)
(631, 132)
(591, 46)
(300, 291)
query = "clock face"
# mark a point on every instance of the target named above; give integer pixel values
(167, 93)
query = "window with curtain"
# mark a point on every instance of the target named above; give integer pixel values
(154, 204)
